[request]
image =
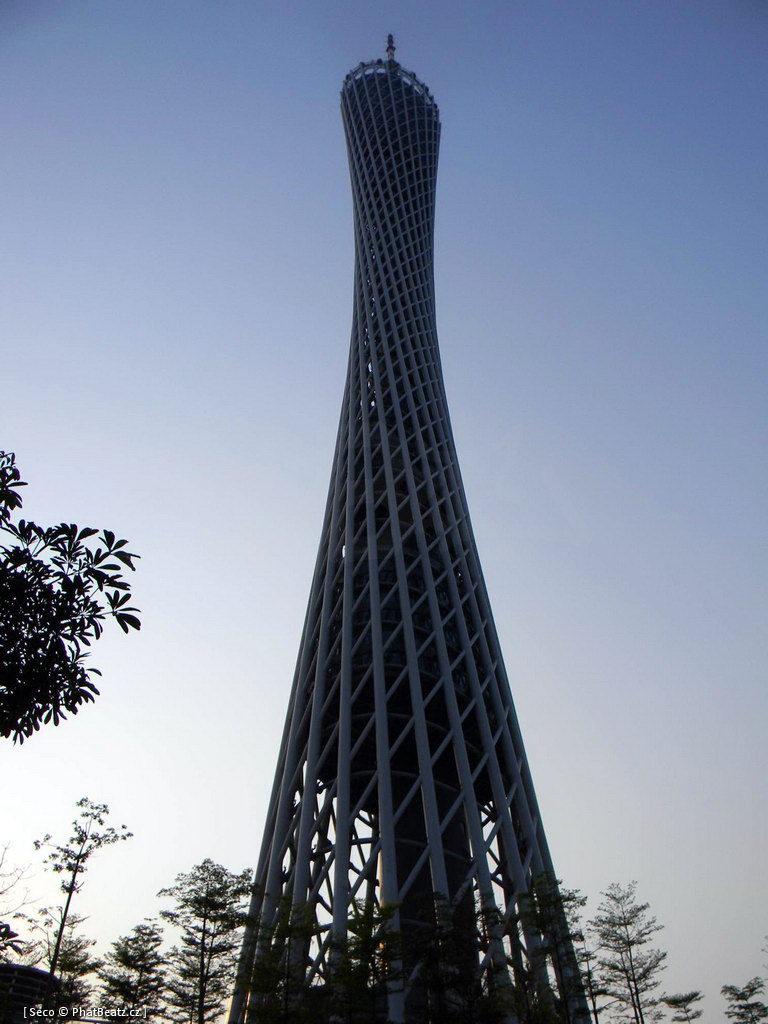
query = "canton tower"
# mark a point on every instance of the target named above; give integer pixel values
(402, 794)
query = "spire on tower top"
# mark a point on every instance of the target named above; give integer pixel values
(390, 47)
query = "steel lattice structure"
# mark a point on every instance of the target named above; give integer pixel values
(402, 772)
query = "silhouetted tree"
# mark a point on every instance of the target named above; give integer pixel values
(551, 918)
(8, 941)
(742, 1007)
(448, 982)
(682, 1007)
(629, 970)
(211, 910)
(365, 965)
(133, 972)
(71, 861)
(56, 941)
(277, 979)
(57, 587)
(13, 898)
(594, 990)
(443, 972)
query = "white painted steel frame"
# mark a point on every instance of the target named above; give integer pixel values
(402, 771)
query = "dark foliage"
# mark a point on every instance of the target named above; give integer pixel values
(71, 860)
(133, 972)
(743, 1007)
(13, 898)
(58, 585)
(210, 913)
(71, 953)
(550, 919)
(448, 985)
(682, 1006)
(629, 969)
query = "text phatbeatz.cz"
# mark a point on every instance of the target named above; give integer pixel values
(85, 1013)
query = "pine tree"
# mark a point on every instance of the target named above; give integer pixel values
(445, 956)
(211, 910)
(71, 861)
(629, 970)
(365, 964)
(72, 951)
(551, 919)
(77, 968)
(133, 973)
(586, 957)
(279, 990)
(681, 1005)
(743, 1008)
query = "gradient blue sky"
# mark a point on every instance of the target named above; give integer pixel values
(176, 271)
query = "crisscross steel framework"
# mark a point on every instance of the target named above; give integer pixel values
(402, 772)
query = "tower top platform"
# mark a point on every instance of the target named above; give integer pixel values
(388, 67)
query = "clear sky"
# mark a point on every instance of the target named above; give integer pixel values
(176, 276)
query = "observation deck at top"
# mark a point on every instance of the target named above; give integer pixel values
(390, 67)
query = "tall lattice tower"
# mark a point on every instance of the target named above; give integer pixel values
(402, 790)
